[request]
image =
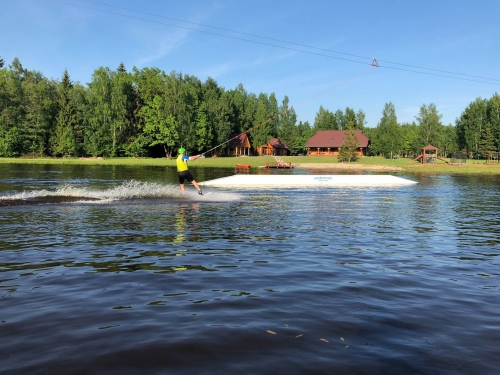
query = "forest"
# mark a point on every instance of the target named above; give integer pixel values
(149, 113)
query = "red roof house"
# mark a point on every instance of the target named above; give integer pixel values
(238, 145)
(274, 147)
(329, 142)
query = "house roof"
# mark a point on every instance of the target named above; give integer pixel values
(335, 138)
(237, 140)
(430, 147)
(277, 143)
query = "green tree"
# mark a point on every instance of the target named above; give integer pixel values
(39, 111)
(449, 143)
(487, 142)
(340, 119)
(78, 98)
(493, 113)
(224, 123)
(263, 131)
(161, 126)
(249, 114)
(429, 126)
(470, 126)
(122, 105)
(98, 138)
(372, 134)
(349, 117)
(360, 120)
(64, 142)
(389, 132)
(325, 120)
(304, 132)
(204, 131)
(211, 93)
(12, 109)
(238, 97)
(349, 150)
(274, 115)
(410, 142)
(287, 129)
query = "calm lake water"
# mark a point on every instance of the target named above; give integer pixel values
(109, 270)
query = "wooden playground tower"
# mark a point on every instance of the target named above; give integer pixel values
(429, 155)
(493, 157)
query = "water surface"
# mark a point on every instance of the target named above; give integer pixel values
(110, 270)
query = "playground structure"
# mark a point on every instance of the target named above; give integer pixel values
(493, 157)
(431, 157)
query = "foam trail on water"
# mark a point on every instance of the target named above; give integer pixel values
(126, 191)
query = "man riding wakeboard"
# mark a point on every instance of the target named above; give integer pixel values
(182, 169)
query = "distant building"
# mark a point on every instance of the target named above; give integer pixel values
(329, 142)
(274, 147)
(239, 145)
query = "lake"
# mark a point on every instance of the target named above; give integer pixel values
(110, 270)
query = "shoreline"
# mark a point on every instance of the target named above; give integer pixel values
(346, 166)
(315, 164)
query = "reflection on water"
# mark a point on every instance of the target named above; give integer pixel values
(297, 281)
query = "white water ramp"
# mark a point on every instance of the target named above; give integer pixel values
(241, 180)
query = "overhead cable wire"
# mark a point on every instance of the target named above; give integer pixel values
(206, 32)
(284, 47)
(288, 42)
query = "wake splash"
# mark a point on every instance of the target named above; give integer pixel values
(129, 190)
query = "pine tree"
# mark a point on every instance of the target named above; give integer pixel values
(349, 150)
(487, 142)
(40, 102)
(63, 141)
(493, 113)
(287, 129)
(262, 133)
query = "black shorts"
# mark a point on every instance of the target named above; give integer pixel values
(185, 175)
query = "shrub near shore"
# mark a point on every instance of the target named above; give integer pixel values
(403, 164)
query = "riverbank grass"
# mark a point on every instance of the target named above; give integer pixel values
(471, 167)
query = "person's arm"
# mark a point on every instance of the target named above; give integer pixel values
(194, 157)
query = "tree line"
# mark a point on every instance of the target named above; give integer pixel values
(148, 112)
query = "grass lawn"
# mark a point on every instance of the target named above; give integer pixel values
(258, 161)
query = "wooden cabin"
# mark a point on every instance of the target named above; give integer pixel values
(239, 145)
(329, 142)
(274, 147)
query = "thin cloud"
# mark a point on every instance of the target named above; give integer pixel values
(164, 45)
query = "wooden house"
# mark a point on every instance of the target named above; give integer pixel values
(329, 142)
(274, 147)
(239, 145)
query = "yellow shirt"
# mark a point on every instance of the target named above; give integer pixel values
(182, 164)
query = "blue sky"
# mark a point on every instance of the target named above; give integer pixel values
(246, 44)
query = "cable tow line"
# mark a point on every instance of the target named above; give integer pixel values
(373, 65)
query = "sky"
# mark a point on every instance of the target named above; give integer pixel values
(315, 52)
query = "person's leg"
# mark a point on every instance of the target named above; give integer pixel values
(181, 181)
(197, 186)
(188, 176)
